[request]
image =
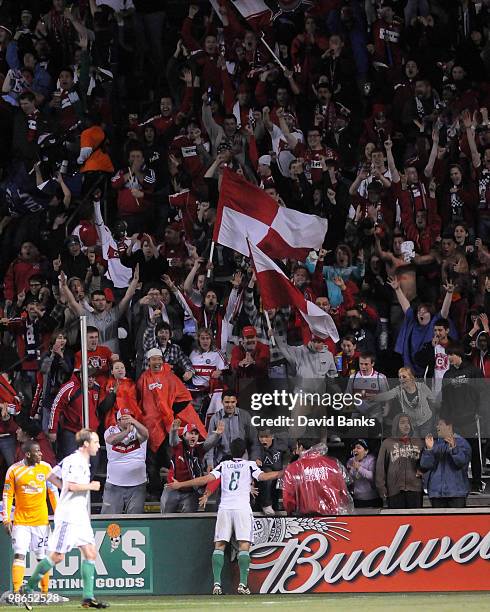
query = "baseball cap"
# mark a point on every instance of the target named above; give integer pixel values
(154, 352)
(265, 160)
(249, 331)
(72, 240)
(123, 412)
(379, 109)
(190, 427)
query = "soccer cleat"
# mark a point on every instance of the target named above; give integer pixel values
(243, 589)
(217, 590)
(25, 590)
(93, 603)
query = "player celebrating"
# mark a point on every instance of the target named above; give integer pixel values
(234, 512)
(27, 482)
(72, 527)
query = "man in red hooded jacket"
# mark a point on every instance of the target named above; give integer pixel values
(315, 484)
(163, 397)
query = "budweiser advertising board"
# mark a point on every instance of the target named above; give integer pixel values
(445, 552)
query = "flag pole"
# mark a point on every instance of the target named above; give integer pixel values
(84, 383)
(269, 328)
(84, 371)
(211, 253)
(278, 61)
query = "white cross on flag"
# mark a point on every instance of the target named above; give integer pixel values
(247, 212)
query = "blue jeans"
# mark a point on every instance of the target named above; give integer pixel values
(413, 7)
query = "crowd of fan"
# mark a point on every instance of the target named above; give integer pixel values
(118, 119)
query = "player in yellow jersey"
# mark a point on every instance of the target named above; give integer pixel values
(27, 483)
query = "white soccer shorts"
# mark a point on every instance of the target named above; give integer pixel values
(26, 538)
(239, 522)
(67, 536)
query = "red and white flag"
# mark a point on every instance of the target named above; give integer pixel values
(256, 12)
(276, 291)
(247, 212)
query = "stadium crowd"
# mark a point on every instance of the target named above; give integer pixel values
(120, 119)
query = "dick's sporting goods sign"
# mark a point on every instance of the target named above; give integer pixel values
(380, 553)
(123, 565)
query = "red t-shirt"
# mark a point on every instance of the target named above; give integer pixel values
(100, 359)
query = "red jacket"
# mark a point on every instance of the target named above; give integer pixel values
(409, 205)
(8, 395)
(32, 339)
(261, 356)
(68, 404)
(18, 274)
(211, 74)
(315, 485)
(386, 39)
(127, 203)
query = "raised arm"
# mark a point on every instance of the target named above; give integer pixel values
(195, 482)
(448, 298)
(470, 135)
(290, 139)
(400, 296)
(65, 292)
(429, 168)
(395, 175)
(131, 290)
(102, 231)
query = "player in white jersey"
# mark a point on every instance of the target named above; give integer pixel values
(72, 527)
(234, 512)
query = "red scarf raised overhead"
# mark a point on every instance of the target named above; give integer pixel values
(161, 396)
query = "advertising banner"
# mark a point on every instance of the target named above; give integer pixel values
(344, 554)
(371, 554)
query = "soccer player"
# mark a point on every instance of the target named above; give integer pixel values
(234, 512)
(72, 527)
(27, 483)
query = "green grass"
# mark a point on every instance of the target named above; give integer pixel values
(422, 602)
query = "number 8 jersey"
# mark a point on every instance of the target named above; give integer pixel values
(236, 480)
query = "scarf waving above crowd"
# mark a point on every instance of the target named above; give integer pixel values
(164, 397)
(246, 212)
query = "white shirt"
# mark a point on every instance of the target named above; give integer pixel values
(126, 461)
(73, 505)
(236, 479)
(441, 366)
(204, 365)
